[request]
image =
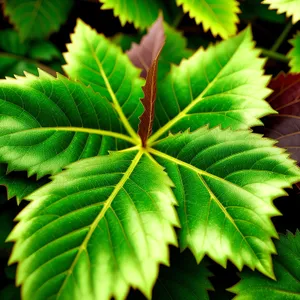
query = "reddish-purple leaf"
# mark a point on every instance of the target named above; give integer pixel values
(145, 56)
(285, 127)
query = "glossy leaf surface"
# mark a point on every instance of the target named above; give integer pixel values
(225, 183)
(220, 16)
(290, 7)
(286, 266)
(108, 218)
(47, 123)
(36, 19)
(285, 126)
(221, 85)
(97, 62)
(294, 54)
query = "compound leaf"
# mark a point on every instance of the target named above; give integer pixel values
(220, 16)
(294, 54)
(225, 183)
(222, 85)
(96, 61)
(36, 19)
(47, 123)
(290, 7)
(286, 267)
(285, 126)
(141, 13)
(97, 229)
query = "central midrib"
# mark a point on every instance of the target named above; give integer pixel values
(106, 206)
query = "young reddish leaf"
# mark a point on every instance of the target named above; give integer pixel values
(285, 127)
(145, 56)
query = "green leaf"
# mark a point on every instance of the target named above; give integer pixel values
(44, 51)
(101, 226)
(10, 292)
(290, 7)
(220, 16)
(221, 85)
(36, 19)
(225, 183)
(173, 52)
(47, 123)
(255, 286)
(24, 56)
(141, 13)
(18, 186)
(96, 61)
(252, 9)
(294, 54)
(183, 280)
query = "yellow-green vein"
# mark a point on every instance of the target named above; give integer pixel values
(106, 206)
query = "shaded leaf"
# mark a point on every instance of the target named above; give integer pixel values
(252, 9)
(225, 183)
(290, 7)
(10, 292)
(221, 85)
(145, 56)
(25, 56)
(285, 127)
(294, 54)
(286, 267)
(18, 185)
(47, 123)
(184, 279)
(36, 19)
(220, 16)
(96, 61)
(114, 213)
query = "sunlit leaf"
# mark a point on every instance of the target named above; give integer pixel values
(102, 218)
(219, 16)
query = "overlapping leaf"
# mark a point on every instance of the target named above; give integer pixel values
(36, 19)
(220, 16)
(101, 226)
(141, 13)
(294, 54)
(222, 85)
(225, 183)
(17, 57)
(17, 185)
(174, 50)
(286, 266)
(290, 7)
(145, 56)
(97, 62)
(185, 279)
(47, 123)
(285, 127)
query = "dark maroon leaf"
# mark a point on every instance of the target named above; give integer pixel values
(145, 56)
(285, 127)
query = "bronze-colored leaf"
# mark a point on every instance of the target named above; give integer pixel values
(285, 127)
(145, 56)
